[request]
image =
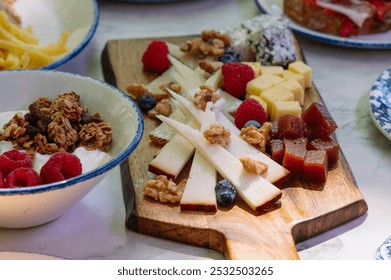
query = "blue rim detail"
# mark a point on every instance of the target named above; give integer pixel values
(98, 171)
(82, 45)
(380, 103)
(329, 39)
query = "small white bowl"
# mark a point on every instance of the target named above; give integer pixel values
(49, 18)
(32, 206)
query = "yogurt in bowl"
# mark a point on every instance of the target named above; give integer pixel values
(32, 206)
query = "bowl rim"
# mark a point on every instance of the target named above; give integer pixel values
(123, 155)
(70, 55)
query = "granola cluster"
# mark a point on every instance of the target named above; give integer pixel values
(206, 94)
(218, 134)
(163, 189)
(61, 125)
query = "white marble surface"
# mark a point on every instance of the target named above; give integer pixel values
(95, 228)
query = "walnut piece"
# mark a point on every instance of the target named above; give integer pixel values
(218, 134)
(210, 66)
(163, 107)
(253, 166)
(172, 86)
(206, 94)
(210, 43)
(256, 136)
(136, 90)
(163, 189)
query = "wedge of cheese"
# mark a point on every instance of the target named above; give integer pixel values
(173, 156)
(257, 192)
(199, 193)
(186, 58)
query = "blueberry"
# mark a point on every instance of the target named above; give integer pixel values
(252, 122)
(146, 102)
(225, 192)
(227, 57)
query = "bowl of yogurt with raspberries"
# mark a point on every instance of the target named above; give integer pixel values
(60, 133)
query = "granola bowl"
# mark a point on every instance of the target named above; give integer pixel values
(22, 207)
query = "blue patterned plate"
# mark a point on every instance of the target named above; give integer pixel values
(380, 103)
(384, 250)
(372, 41)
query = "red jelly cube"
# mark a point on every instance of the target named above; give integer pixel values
(294, 154)
(274, 131)
(327, 144)
(290, 126)
(318, 120)
(277, 150)
(315, 166)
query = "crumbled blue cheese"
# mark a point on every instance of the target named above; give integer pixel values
(269, 39)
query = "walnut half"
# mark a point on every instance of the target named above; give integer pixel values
(218, 134)
(162, 189)
(254, 166)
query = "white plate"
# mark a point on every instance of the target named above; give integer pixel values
(25, 256)
(49, 18)
(373, 41)
(380, 103)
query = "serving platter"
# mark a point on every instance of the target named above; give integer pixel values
(372, 41)
(380, 103)
(305, 210)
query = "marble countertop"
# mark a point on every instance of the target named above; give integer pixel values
(95, 227)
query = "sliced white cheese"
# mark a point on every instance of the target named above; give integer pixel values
(192, 78)
(199, 193)
(238, 147)
(186, 58)
(173, 156)
(215, 80)
(164, 79)
(257, 192)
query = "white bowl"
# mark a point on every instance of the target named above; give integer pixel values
(49, 18)
(32, 206)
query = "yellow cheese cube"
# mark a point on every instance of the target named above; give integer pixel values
(281, 108)
(301, 68)
(276, 93)
(275, 70)
(294, 87)
(260, 100)
(289, 75)
(256, 66)
(262, 83)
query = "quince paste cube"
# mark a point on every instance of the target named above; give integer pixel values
(315, 166)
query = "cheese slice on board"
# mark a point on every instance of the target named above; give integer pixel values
(257, 192)
(199, 193)
(173, 156)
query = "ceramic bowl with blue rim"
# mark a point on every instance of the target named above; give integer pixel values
(23, 207)
(383, 252)
(380, 103)
(49, 18)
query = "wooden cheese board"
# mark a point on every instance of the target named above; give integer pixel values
(305, 210)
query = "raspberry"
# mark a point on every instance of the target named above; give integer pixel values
(236, 75)
(155, 57)
(13, 159)
(22, 177)
(60, 166)
(250, 109)
(1, 180)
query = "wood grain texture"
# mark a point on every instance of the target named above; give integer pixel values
(304, 210)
